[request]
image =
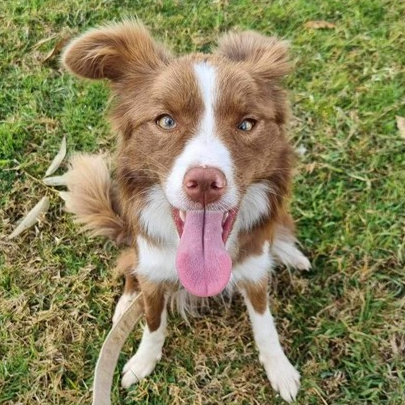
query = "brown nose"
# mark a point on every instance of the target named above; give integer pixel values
(204, 185)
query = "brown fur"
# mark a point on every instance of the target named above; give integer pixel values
(114, 51)
(154, 301)
(93, 198)
(257, 294)
(126, 265)
(266, 57)
(126, 262)
(153, 293)
(147, 81)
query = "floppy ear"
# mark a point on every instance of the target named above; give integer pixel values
(112, 51)
(266, 57)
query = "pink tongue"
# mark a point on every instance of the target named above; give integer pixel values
(203, 264)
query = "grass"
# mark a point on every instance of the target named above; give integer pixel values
(342, 323)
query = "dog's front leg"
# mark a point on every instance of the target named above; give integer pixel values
(150, 349)
(283, 377)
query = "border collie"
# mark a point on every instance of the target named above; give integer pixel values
(199, 184)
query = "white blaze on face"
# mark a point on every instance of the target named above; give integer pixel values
(204, 149)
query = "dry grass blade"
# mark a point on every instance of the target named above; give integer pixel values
(317, 25)
(31, 217)
(57, 159)
(55, 50)
(55, 181)
(401, 125)
(43, 41)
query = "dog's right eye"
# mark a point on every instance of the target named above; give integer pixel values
(166, 122)
(247, 125)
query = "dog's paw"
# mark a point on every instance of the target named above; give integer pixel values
(123, 303)
(138, 367)
(284, 378)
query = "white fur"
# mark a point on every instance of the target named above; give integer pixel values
(254, 206)
(285, 251)
(157, 263)
(289, 255)
(283, 377)
(254, 268)
(205, 149)
(147, 355)
(156, 216)
(186, 304)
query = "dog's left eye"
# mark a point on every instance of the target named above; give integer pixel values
(247, 125)
(166, 122)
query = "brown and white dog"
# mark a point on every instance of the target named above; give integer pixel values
(199, 184)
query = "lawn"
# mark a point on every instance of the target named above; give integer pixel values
(342, 323)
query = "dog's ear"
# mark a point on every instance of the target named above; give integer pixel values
(266, 57)
(113, 51)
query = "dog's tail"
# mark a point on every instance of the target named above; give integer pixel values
(92, 198)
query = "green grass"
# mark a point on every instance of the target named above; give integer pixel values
(342, 323)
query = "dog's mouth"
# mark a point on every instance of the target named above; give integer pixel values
(228, 219)
(203, 264)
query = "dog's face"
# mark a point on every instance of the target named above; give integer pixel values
(205, 128)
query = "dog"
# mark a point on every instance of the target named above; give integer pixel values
(199, 185)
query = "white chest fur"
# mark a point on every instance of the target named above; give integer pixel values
(157, 262)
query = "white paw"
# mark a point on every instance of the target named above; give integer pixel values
(138, 367)
(123, 303)
(284, 378)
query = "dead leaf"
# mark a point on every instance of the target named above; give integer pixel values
(55, 181)
(56, 49)
(64, 195)
(317, 25)
(31, 218)
(401, 125)
(57, 160)
(310, 167)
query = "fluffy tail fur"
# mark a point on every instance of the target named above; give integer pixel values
(92, 198)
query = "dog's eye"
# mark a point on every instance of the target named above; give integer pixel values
(166, 122)
(247, 125)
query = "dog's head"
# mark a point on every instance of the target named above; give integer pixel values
(207, 131)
